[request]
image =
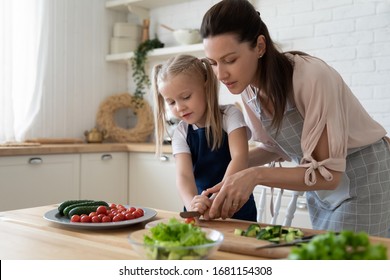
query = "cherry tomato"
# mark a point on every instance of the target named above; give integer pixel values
(129, 216)
(190, 220)
(101, 210)
(112, 205)
(85, 219)
(118, 217)
(138, 213)
(75, 219)
(92, 214)
(106, 219)
(131, 209)
(96, 219)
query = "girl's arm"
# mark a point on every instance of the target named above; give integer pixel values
(185, 183)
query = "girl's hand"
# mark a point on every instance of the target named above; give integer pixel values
(200, 203)
(233, 193)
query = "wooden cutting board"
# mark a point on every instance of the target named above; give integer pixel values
(49, 141)
(241, 244)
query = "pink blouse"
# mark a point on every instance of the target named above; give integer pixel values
(323, 99)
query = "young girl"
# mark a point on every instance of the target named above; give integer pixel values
(210, 142)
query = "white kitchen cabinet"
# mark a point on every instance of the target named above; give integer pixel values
(104, 176)
(152, 182)
(29, 181)
(301, 215)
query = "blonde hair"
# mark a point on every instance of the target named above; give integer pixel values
(199, 69)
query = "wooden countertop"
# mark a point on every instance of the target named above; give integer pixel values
(20, 150)
(25, 235)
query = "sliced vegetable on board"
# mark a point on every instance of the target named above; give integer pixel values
(273, 233)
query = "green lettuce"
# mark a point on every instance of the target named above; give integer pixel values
(168, 241)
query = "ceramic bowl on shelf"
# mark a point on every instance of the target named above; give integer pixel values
(187, 36)
(161, 252)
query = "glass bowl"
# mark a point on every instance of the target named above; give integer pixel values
(158, 252)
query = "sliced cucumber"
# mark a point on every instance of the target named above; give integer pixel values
(272, 233)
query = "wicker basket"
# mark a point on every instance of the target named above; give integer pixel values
(106, 118)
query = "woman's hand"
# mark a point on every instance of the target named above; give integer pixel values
(233, 193)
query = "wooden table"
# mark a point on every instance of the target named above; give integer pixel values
(26, 235)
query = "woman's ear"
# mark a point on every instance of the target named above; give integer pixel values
(261, 46)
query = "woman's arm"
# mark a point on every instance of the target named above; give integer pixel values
(239, 186)
(259, 156)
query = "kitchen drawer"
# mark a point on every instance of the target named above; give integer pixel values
(29, 181)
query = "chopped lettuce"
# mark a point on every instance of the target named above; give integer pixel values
(171, 238)
(345, 245)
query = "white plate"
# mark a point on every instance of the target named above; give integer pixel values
(55, 217)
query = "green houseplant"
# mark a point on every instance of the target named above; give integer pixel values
(138, 62)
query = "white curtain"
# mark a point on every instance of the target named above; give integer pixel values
(23, 52)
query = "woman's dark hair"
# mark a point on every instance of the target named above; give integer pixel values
(275, 70)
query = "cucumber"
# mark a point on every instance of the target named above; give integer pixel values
(89, 203)
(252, 230)
(239, 232)
(78, 210)
(67, 203)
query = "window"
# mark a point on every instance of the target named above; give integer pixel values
(23, 49)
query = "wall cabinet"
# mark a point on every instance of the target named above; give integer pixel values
(29, 181)
(152, 182)
(104, 176)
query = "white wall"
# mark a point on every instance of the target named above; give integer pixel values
(351, 35)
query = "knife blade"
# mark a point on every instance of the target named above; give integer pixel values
(190, 214)
(302, 240)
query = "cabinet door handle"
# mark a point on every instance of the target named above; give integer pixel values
(164, 158)
(106, 157)
(35, 160)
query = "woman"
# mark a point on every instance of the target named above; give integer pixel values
(211, 141)
(300, 109)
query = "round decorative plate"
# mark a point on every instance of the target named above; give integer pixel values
(55, 217)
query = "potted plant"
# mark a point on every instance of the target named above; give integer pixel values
(138, 62)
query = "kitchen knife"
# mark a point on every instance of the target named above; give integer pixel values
(190, 214)
(302, 240)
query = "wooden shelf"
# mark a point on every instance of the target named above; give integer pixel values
(195, 49)
(122, 5)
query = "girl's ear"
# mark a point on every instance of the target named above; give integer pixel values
(261, 46)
